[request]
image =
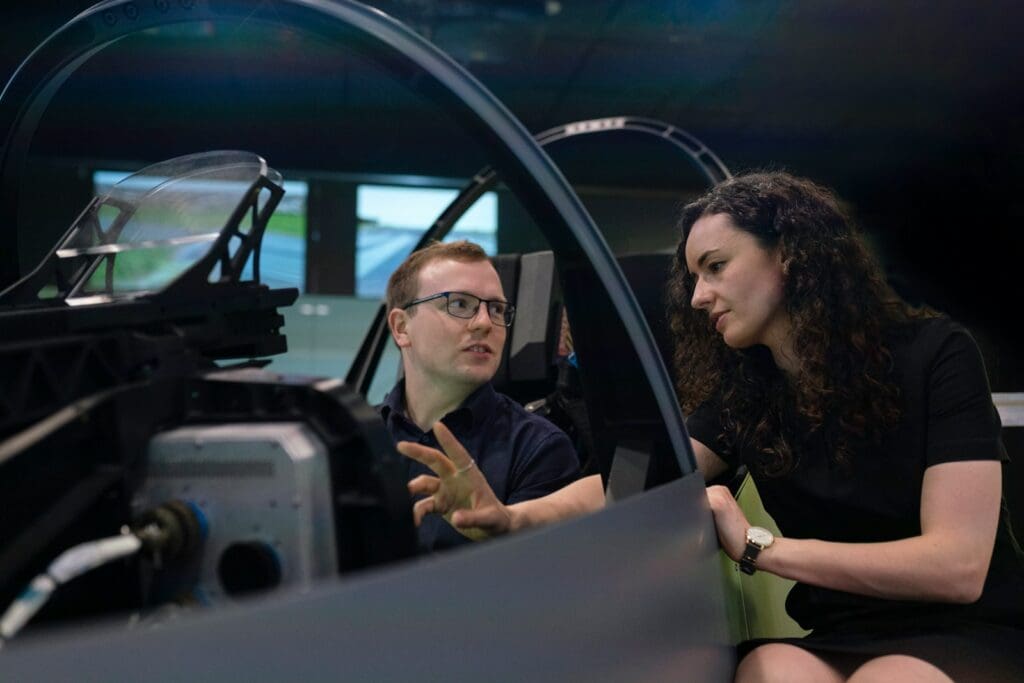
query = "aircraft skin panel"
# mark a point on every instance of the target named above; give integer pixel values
(633, 593)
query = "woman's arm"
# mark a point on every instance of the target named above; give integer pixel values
(947, 562)
(708, 462)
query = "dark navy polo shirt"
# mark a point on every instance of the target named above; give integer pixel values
(522, 455)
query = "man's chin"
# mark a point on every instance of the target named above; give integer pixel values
(478, 375)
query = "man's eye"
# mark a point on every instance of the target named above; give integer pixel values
(459, 303)
(496, 308)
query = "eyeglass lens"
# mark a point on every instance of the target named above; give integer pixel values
(466, 305)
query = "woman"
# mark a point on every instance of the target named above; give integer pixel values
(867, 425)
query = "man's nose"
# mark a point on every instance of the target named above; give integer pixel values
(481, 319)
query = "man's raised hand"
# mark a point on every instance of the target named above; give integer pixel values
(459, 492)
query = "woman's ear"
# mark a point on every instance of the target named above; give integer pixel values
(398, 322)
(784, 260)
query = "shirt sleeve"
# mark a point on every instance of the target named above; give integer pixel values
(550, 466)
(705, 425)
(963, 423)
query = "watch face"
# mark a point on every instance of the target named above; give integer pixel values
(761, 537)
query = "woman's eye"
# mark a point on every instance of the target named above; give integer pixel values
(716, 267)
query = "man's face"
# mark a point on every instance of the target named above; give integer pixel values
(452, 353)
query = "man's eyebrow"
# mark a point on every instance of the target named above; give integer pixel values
(502, 298)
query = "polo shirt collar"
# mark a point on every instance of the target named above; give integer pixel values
(476, 409)
(481, 404)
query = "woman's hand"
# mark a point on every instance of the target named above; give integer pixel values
(730, 521)
(459, 492)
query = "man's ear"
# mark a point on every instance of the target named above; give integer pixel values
(398, 320)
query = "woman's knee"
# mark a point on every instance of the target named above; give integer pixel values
(899, 668)
(784, 663)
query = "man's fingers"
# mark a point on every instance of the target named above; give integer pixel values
(431, 457)
(421, 508)
(457, 460)
(491, 520)
(452, 448)
(424, 485)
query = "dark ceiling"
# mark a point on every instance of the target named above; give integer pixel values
(913, 111)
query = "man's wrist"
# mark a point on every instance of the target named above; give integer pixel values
(517, 518)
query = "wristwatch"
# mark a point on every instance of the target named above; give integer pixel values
(758, 538)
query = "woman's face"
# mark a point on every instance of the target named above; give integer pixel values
(739, 283)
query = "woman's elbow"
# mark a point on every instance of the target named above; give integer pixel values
(966, 593)
(966, 583)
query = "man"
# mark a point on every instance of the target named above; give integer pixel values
(449, 316)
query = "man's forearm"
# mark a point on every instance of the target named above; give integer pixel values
(578, 498)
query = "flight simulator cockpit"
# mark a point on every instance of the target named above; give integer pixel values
(166, 490)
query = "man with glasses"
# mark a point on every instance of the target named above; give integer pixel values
(449, 317)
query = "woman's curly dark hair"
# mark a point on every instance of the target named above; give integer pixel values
(840, 307)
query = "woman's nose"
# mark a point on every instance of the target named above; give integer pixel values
(700, 298)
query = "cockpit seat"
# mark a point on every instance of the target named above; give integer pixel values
(536, 369)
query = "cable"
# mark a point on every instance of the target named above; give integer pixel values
(70, 564)
(169, 531)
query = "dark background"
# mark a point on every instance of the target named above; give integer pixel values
(912, 111)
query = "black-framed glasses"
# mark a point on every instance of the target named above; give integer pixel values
(464, 305)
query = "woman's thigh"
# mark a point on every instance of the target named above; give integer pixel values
(899, 668)
(785, 663)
